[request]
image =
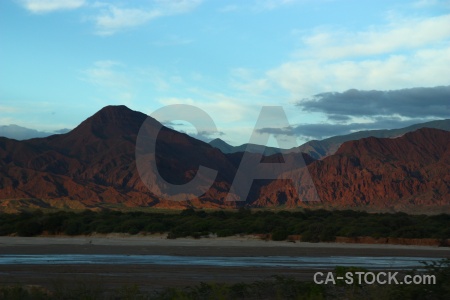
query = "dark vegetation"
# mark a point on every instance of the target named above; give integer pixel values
(312, 225)
(275, 288)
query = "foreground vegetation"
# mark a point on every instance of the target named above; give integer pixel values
(275, 288)
(312, 225)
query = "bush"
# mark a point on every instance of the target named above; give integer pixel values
(279, 234)
(224, 233)
(29, 228)
(73, 227)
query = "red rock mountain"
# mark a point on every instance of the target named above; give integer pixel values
(408, 172)
(94, 166)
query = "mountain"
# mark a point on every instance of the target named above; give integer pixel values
(410, 171)
(254, 148)
(319, 149)
(94, 166)
(22, 133)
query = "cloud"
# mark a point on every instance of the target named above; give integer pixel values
(425, 67)
(272, 4)
(47, 6)
(425, 3)
(113, 80)
(113, 19)
(107, 74)
(185, 127)
(410, 103)
(204, 135)
(110, 18)
(398, 34)
(355, 110)
(207, 136)
(243, 80)
(224, 109)
(404, 52)
(8, 109)
(173, 7)
(324, 130)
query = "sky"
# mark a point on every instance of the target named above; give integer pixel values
(334, 66)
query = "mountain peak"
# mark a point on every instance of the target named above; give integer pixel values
(112, 121)
(218, 141)
(113, 112)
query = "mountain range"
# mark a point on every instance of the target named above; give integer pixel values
(321, 148)
(22, 133)
(94, 166)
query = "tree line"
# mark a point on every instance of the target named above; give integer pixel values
(311, 225)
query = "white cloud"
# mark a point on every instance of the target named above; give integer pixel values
(173, 7)
(222, 108)
(405, 53)
(46, 6)
(8, 109)
(424, 3)
(426, 68)
(7, 121)
(258, 6)
(106, 73)
(113, 81)
(400, 34)
(112, 18)
(273, 4)
(243, 80)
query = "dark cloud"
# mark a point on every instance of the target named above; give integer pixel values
(382, 110)
(338, 118)
(324, 130)
(412, 103)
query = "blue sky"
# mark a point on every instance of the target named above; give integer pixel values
(63, 60)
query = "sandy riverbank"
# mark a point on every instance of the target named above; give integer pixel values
(230, 246)
(158, 276)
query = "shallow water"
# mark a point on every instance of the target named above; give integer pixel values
(266, 261)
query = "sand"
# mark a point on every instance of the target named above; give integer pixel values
(229, 246)
(159, 276)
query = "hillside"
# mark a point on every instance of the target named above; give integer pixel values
(94, 166)
(412, 170)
